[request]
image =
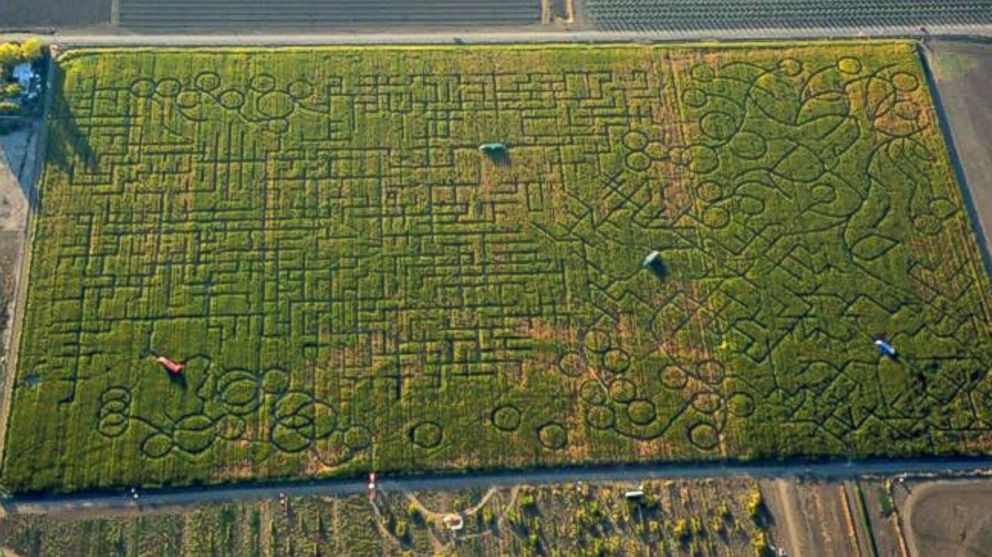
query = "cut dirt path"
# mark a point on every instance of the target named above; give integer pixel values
(783, 492)
(438, 516)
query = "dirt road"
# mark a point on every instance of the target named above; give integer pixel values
(784, 495)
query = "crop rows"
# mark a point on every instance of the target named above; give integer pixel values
(352, 285)
(628, 15)
(265, 14)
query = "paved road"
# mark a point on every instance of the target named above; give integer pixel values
(71, 39)
(150, 500)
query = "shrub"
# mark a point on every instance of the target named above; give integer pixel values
(755, 504)
(8, 54)
(723, 509)
(681, 530)
(696, 526)
(9, 107)
(30, 50)
(414, 513)
(528, 501)
(885, 502)
(401, 530)
(759, 542)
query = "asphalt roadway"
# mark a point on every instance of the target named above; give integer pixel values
(124, 502)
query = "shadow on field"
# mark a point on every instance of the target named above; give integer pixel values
(67, 142)
(178, 379)
(499, 157)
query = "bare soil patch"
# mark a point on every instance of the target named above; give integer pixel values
(950, 519)
(249, 15)
(810, 518)
(34, 14)
(963, 72)
(882, 519)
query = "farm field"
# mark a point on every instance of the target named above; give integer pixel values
(947, 517)
(183, 16)
(673, 518)
(353, 286)
(642, 15)
(32, 14)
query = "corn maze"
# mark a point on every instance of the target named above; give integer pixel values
(352, 285)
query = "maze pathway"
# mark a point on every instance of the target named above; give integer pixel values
(352, 285)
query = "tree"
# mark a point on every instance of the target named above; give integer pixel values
(30, 50)
(8, 54)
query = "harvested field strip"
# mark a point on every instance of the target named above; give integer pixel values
(626, 15)
(156, 15)
(352, 284)
(27, 14)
